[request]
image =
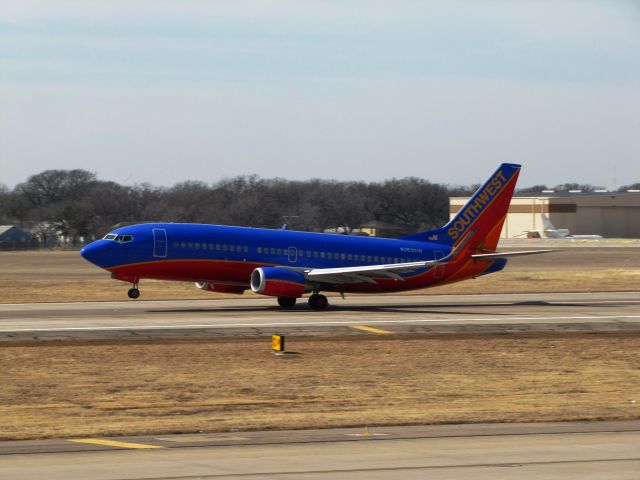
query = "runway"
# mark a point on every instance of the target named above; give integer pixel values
(490, 451)
(258, 317)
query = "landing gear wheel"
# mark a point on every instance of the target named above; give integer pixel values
(287, 302)
(318, 302)
(133, 293)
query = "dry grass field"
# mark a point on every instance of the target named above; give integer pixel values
(63, 276)
(67, 389)
(74, 389)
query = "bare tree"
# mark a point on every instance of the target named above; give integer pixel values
(53, 186)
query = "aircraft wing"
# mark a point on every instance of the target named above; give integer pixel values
(364, 273)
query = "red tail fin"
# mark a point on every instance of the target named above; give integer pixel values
(484, 213)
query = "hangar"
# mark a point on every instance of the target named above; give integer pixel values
(610, 214)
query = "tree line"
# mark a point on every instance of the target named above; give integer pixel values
(76, 204)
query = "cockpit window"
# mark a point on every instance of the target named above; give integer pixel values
(119, 238)
(124, 238)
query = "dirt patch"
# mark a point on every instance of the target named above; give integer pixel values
(76, 389)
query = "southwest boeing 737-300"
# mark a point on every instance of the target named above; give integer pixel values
(287, 264)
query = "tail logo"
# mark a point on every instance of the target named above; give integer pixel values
(475, 208)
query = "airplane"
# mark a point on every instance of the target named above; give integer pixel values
(552, 232)
(289, 264)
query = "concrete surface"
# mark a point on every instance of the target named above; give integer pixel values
(608, 450)
(259, 317)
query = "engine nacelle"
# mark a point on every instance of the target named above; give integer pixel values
(220, 288)
(278, 282)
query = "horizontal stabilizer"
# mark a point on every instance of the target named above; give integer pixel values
(498, 255)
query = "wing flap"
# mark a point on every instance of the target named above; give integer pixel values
(371, 269)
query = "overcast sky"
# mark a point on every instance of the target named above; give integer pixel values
(163, 91)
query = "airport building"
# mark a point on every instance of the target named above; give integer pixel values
(609, 214)
(12, 238)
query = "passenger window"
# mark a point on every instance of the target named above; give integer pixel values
(315, 254)
(232, 248)
(301, 253)
(245, 249)
(343, 256)
(322, 254)
(259, 249)
(272, 251)
(197, 246)
(349, 257)
(224, 247)
(183, 245)
(279, 251)
(191, 245)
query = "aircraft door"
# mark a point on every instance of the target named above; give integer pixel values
(439, 270)
(159, 243)
(293, 254)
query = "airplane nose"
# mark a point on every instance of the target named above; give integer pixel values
(94, 253)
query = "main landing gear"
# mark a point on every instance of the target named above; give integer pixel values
(134, 292)
(318, 302)
(287, 302)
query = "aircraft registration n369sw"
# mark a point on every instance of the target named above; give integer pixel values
(288, 264)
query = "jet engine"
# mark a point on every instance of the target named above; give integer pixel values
(278, 282)
(220, 288)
